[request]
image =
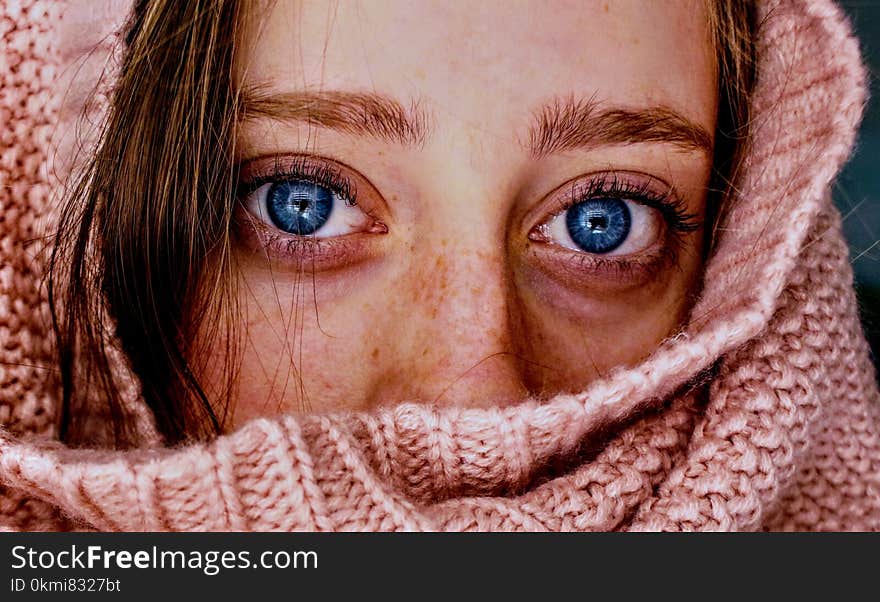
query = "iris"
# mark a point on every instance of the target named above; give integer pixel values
(598, 225)
(299, 207)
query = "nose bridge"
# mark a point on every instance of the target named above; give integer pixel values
(473, 293)
(469, 214)
(456, 341)
(467, 250)
(472, 360)
(461, 347)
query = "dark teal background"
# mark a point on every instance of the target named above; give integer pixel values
(857, 192)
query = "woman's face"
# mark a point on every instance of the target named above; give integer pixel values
(465, 202)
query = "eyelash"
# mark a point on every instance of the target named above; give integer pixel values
(608, 185)
(631, 186)
(304, 168)
(614, 185)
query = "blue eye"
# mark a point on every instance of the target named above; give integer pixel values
(302, 207)
(598, 225)
(299, 207)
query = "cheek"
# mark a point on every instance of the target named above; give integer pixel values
(574, 338)
(406, 327)
(296, 350)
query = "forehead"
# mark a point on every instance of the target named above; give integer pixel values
(483, 61)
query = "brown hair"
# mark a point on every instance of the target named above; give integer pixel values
(144, 237)
(734, 26)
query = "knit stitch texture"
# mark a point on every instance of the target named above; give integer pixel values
(763, 413)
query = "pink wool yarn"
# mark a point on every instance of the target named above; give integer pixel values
(761, 414)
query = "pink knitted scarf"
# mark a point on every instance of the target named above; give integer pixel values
(762, 414)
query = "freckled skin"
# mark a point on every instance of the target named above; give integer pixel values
(452, 308)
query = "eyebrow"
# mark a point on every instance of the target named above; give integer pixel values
(560, 125)
(571, 124)
(359, 113)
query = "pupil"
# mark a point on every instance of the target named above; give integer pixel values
(299, 207)
(598, 225)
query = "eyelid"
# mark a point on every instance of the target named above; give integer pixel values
(269, 169)
(343, 178)
(294, 251)
(359, 193)
(625, 185)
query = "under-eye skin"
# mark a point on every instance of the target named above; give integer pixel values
(623, 226)
(302, 208)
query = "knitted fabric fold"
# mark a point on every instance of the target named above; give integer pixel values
(763, 413)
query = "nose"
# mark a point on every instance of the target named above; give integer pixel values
(457, 341)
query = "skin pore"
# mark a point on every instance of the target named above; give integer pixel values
(455, 144)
